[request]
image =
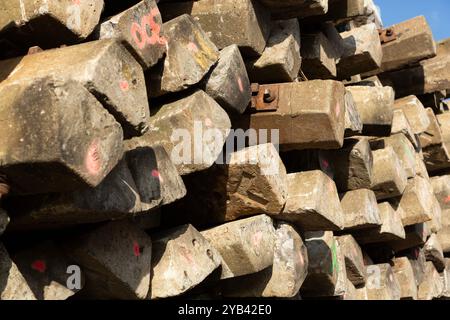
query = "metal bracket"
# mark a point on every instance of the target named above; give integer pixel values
(387, 35)
(265, 97)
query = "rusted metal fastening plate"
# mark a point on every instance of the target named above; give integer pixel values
(265, 97)
(387, 35)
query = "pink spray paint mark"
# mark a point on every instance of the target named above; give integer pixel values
(338, 109)
(124, 86)
(241, 86)
(186, 253)
(156, 28)
(208, 122)
(325, 164)
(92, 161)
(77, 2)
(139, 32)
(136, 249)
(301, 260)
(256, 238)
(39, 265)
(157, 174)
(192, 47)
(447, 200)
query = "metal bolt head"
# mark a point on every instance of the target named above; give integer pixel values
(268, 96)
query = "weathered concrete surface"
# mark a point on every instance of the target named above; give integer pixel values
(48, 271)
(193, 131)
(354, 262)
(228, 83)
(295, 8)
(80, 145)
(444, 233)
(429, 76)
(353, 122)
(14, 286)
(362, 51)
(312, 202)
(310, 115)
(437, 157)
(445, 276)
(383, 286)
(414, 43)
(284, 278)
(414, 112)
(4, 221)
(280, 61)
(434, 253)
(246, 246)
(432, 286)
(389, 178)
(132, 27)
(104, 67)
(391, 228)
(401, 125)
(29, 22)
(117, 197)
(342, 11)
(416, 236)
(435, 224)
(341, 289)
(416, 257)
(432, 136)
(404, 273)
(360, 210)
(116, 258)
(443, 46)
(323, 267)
(254, 182)
(318, 56)
(190, 56)
(375, 107)
(181, 259)
(441, 190)
(417, 201)
(257, 181)
(421, 168)
(245, 23)
(352, 165)
(404, 150)
(157, 180)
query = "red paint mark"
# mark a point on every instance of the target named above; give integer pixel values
(39, 265)
(136, 249)
(192, 47)
(77, 2)
(155, 173)
(139, 32)
(241, 86)
(124, 85)
(447, 200)
(92, 161)
(325, 164)
(186, 253)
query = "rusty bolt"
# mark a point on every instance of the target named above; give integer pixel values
(268, 96)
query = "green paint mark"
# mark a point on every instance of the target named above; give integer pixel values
(334, 261)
